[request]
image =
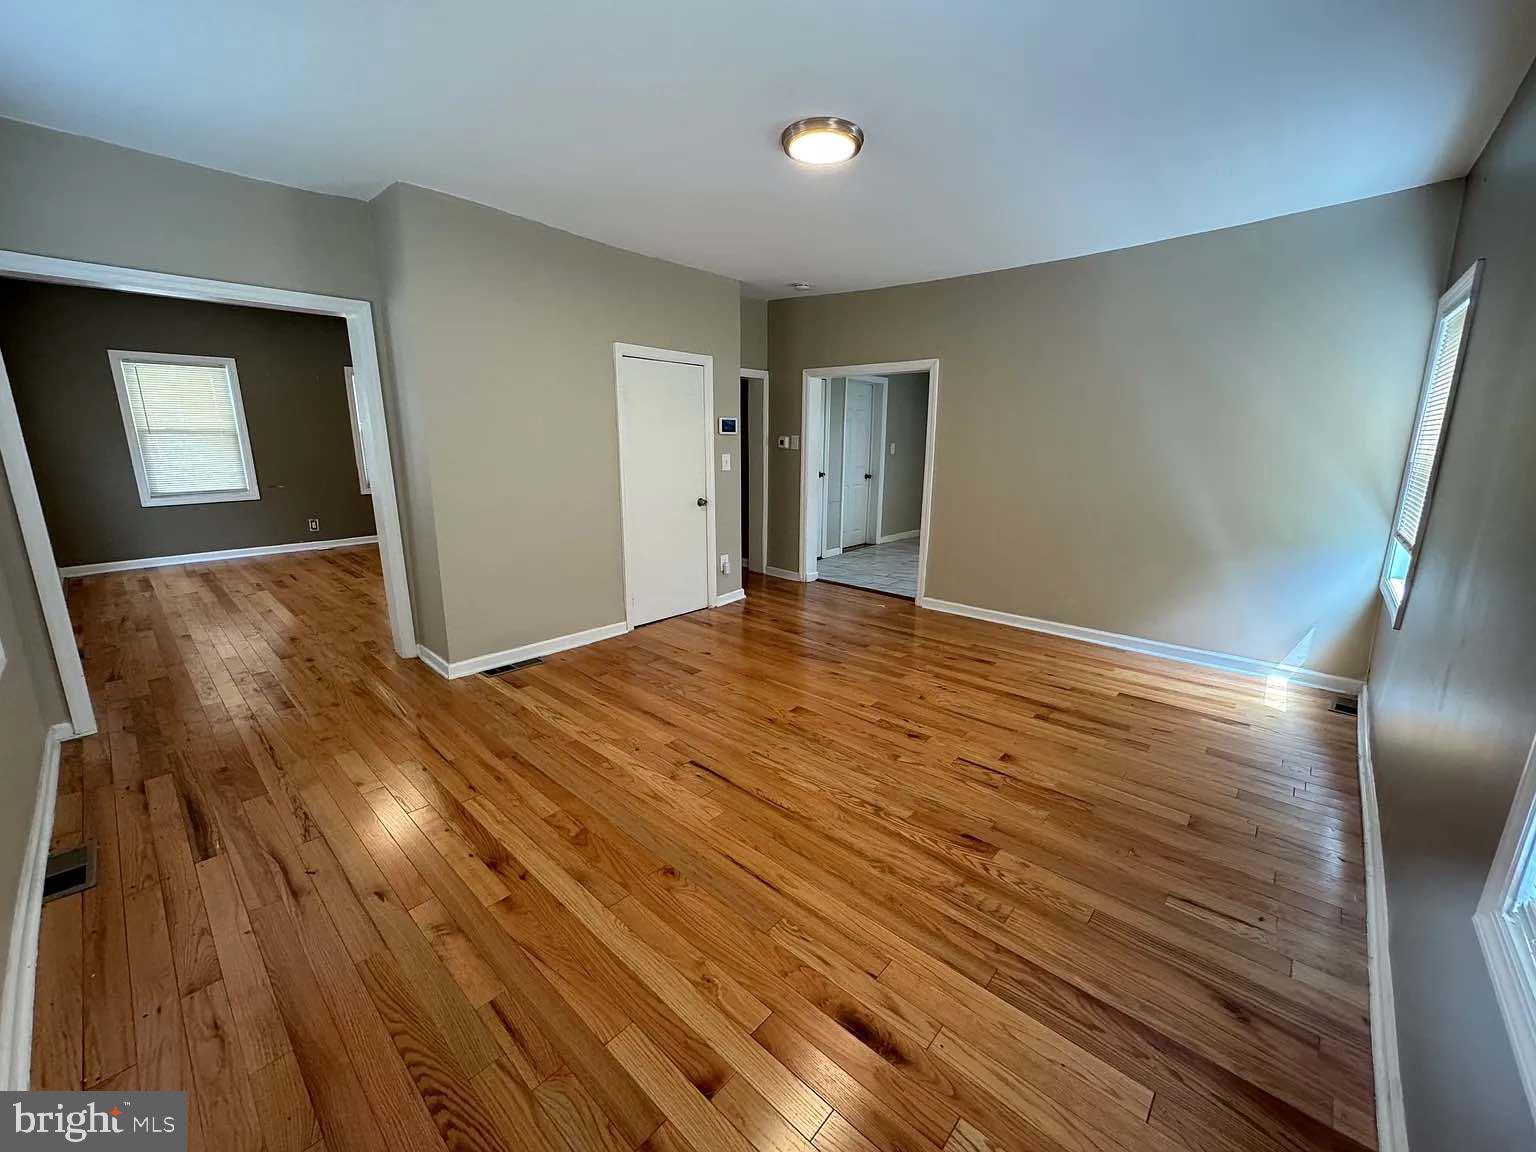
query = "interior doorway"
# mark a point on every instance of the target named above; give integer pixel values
(358, 318)
(866, 490)
(754, 470)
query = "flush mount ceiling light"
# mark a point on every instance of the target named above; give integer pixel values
(800, 286)
(822, 140)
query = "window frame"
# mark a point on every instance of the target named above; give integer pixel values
(147, 499)
(1465, 289)
(1506, 926)
(357, 420)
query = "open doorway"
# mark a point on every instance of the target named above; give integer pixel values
(870, 443)
(149, 421)
(754, 470)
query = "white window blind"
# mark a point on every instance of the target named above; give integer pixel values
(186, 428)
(1429, 428)
(1442, 371)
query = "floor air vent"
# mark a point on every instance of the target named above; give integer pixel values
(70, 871)
(505, 668)
(1347, 705)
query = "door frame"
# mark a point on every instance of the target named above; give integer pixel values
(18, 464)
(823, 466)
(761, 443)
(668, 356)
(875, 490)
(807, 567)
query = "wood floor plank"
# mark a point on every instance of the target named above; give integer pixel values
(58, 1030)
(819, 869)
(108, 995)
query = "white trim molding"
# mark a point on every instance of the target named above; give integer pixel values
(892, 537)
(786, 574)
(1391, 1121)
(1506, 926)
(209, 557)
(1222, 660)
(29, 510)
(735, 596)
(454, 670)
(26, 923)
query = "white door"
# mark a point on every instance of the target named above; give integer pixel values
(815, 472)
(858, 413)
(662, 425)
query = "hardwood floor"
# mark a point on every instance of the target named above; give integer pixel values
(817, 870)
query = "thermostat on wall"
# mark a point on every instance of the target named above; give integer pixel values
(727, 425)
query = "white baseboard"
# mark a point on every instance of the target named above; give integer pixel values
(476, 664)
(433, 661)
(1391, 1122)
(892, 537)
(205, 557)
(735, 597)
(1223, 660)
(838, 551)
(782, 573)
(21, 957)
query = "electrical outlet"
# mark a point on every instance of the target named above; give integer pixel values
(314, 523)
(725, 564)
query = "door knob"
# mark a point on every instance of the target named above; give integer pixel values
(702, 501)
(869, 475)
(821, 475)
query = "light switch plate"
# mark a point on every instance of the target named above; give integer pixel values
(794, 443)
(783, 441)
(725, 461)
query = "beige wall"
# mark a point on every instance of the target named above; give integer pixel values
(754, 334)
(80, 199)
(503, 334)
(1196, 441)
(1453, 694)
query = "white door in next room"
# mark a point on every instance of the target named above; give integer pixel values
(662, 447)
(858, 414)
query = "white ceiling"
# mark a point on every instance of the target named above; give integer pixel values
(1000, 132)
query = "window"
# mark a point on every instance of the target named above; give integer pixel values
(1506, 926)
(359, 414)
(1442, 370)
(186, 428)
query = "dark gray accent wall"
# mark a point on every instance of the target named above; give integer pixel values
(1453, 694)
(55, 339)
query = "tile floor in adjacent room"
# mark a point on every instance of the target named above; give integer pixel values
(888, 568)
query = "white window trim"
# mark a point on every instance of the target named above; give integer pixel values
(357, 418)
(1506, 928)
(1465, 289)
(252, 490)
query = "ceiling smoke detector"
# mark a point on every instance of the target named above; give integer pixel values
(800, 286)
